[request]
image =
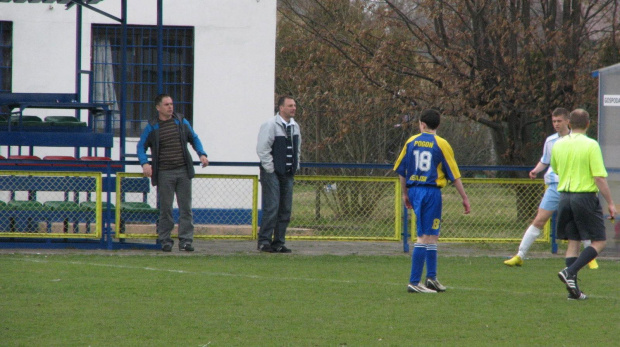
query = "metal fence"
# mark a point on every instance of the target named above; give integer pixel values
(224, 207)
(73, 204)
(501, 210)
(346, 208)
(50, 204)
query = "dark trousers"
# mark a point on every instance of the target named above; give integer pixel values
(277, 201)
(171, 183)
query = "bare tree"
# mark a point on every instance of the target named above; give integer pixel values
(503, 64)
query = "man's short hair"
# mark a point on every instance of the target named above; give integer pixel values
(431, 118)
(283, 98)
(281, 101)
(560, 111)
(579, 119)
(161, 97)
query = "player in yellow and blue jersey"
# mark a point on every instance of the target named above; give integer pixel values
(425, 165)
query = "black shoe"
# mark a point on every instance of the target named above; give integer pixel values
(281, 249)
(571, 283)
(167, 248)
(265, 248)
(187, 247)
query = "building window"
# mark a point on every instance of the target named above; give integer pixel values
(6, 50)
(6, 62)
(178, 71)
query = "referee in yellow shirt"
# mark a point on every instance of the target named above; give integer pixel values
(578, 160)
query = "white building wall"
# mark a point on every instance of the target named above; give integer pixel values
(234, 64)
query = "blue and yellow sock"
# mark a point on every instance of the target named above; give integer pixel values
(417, 262)
(431, 261)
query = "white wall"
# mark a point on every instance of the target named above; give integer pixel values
(234, 64)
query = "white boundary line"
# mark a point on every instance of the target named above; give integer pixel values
(304, 279)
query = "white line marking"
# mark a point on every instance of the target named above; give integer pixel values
(305, 279)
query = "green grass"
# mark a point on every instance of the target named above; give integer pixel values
(276, 300)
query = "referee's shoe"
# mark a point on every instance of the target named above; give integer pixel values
(571, 283)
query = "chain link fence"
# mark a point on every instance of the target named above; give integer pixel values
(224, 206)
(345, 208)
(365, 208)
(50, 204)
(501, 210)
(69, 204)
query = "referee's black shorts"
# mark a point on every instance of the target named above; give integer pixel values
(580, 217)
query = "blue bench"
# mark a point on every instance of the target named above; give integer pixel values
(53, 133)
(13, 100)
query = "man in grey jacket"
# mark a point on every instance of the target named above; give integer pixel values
(279, 143)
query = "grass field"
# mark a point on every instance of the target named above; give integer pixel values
(284, 300)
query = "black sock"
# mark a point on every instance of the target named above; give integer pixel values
(585, 257)
(570, 261)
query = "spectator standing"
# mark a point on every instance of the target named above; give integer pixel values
(278, 148)
(172, 169)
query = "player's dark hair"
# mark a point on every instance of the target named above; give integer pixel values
(560, 111)
(160, 97)
(431, 118)
(579, 119)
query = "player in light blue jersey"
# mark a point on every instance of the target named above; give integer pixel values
(551, 198)
(424, 166)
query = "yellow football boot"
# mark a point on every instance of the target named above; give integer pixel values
(514, 261)
(593, 264)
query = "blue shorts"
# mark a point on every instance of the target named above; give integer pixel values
(551, 199)
(426, 202)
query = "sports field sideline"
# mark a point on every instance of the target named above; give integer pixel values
(227, 247)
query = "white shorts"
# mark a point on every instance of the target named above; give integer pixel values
(551, 199)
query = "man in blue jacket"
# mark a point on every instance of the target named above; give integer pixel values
(172, 170)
